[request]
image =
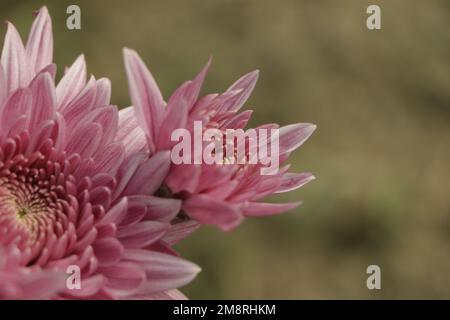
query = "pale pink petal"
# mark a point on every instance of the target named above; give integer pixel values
(39, 47)
(14, 61)
(110, 158)
(42, 285)
(208, 210)
(190, 90)
(108, 250)
(88, 287)
(107, 118)
(50, 68)
(142, 234)
(245, 85)
(184, 177)
(293, 136)
(129, 133)
(85, 142)
(162, 209)
(239, 121)
(71, 83)
(126, 172)
(44, 100)
(145, 95)
(103, 96)
(222, 191)
(166, 271)
(18, 105)
(150, 175)
(166, 295)
(123, 279)
(180, 231)
(2, 86)
(156, 208)
(175, 117)
(196, 85)
(61, 134)
(259, 209)
(80, 105)
(292, 181)
(115, 214)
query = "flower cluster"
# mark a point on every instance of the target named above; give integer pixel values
(83, 183)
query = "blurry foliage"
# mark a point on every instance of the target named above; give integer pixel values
(381, 153)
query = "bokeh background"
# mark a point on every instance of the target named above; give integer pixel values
(381, 153)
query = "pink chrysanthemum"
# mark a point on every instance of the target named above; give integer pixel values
(70, 192)
(212, 194)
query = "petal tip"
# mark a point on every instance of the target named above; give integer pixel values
(42, 10)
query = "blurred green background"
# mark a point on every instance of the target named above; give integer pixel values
(381, 153)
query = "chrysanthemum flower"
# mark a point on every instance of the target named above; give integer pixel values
(71, 193)
(212, 193)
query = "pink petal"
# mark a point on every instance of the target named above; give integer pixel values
(41, 134)
(103, 96)
(2, 86)
(222, 191)
(80, 105)
(240, 121)
(208, 210)
(142, 234)
(50, 68)
(42, 285)
(163, 271)
(129, 133)
(245, 85)
(44, 100)
(124, 278)
(115, 214)
(71, 83)
(110, 158)
(107, 118)
(150, 175)
(292, 181)
(165, 295)
(175, 117)
(17, 105)
(160, 209)
(108, 250)
(293, 136)
(60, 137)
(259, 209)
(184, 177)
(14, 61)
(180, 231)
(196, 85)
(39, 47)
(145, 95)
(190, 90)
(89, 287)
(85, 142)
(126, 171)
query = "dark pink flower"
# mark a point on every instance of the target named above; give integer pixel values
(212, 193)
(74, 191)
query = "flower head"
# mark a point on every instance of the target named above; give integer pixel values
(221, 194)
(71, 191)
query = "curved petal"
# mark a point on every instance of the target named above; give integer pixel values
(245, 85)
(39, 48)
(164, 271)
(211, 211)
(259, 209)
(293, 136)
(14, 61)
(145, 95)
